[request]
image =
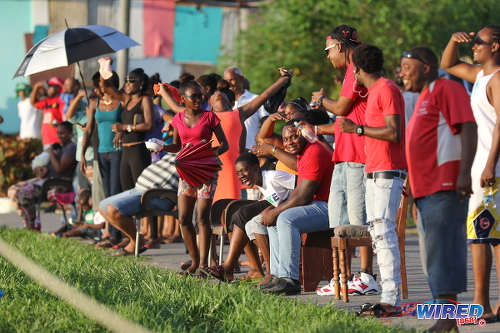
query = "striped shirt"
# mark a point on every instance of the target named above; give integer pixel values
(161, 174)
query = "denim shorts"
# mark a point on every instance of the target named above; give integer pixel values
(129, 202)
(443, 245)
(346, 203)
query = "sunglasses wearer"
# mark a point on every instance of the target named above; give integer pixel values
(410, 55)
(194, 96)
(330, 47)
(478, 41)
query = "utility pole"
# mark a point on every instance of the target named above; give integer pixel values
(122, 56)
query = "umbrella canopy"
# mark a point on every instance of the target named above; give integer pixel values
(71, 45)
(197, 164)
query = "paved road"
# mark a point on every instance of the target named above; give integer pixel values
(170, 255)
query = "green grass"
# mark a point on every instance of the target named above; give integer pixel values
(151, 296)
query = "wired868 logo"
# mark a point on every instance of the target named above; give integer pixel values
(464, 314)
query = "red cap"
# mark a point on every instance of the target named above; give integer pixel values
(55, 81)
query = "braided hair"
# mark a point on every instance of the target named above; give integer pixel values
(348, 38)
(495, 32)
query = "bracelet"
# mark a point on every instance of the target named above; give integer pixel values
(274, 150)
(133, 128)
(316, 130)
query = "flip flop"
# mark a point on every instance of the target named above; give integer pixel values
(377, 310)
(216, 272)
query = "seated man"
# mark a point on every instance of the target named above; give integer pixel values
(306, 210)
(119, 209)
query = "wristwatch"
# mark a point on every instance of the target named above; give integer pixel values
(129, 128)
(360, 130)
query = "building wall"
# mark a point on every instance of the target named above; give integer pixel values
(15, 21)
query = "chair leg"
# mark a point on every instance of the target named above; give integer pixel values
(221, 246)
(343, 269)
(335, 257)
(138, 226)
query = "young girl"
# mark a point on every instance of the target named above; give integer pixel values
(193, 126)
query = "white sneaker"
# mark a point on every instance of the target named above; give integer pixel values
(329, 289)
(363, 284)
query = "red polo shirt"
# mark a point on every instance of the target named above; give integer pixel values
(314, 164)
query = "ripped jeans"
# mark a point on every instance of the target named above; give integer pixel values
(382, 202)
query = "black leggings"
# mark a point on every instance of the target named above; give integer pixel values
(134, 160)
(247, 212)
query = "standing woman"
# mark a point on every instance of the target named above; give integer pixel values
(485, 102)
(136, 120)
(194, 125)
(105, 111)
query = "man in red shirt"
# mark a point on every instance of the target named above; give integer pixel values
(440, 148)
(346, 203)
(385, 167)
(52, 108)
(305, 210)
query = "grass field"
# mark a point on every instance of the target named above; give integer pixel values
(153, 297)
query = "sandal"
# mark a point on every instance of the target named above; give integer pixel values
(186, 264)
(122, 244)
(168, 240)
(152, 244)
(378, 310)
(217, 272)
(185, 273)
(105, 244)
(123, 253)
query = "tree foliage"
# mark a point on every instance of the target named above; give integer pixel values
(292, 33)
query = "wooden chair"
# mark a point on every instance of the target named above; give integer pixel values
(315, 259)
(347, 237)
(147, 211)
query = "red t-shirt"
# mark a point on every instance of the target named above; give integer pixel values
(202, 130)
(384, 99)
(52, 108)
(350, 147)
(433, 148)
(314, 164)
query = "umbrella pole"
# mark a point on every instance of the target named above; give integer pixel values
(79, 69)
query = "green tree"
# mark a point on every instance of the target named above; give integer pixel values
(292, 33)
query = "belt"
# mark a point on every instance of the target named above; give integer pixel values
(130, 144)
(386, 175)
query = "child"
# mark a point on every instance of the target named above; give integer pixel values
(88, 223)
(192, 126)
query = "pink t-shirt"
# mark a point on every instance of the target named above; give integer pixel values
(384, 99)
(433, 144)
(350, 147)
(202, 130)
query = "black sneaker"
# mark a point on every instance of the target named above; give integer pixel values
(285, 286)
(269, 284)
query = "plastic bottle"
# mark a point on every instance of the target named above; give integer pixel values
(489, 198)
(306, 133)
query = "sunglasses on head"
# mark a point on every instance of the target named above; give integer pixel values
(410, 55)
(327, 49)
(194, 96)
(478, 41)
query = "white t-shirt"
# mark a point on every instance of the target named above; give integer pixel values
(31, 120)
(252, 124)
(277, 184)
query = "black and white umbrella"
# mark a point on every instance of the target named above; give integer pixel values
(72, 45)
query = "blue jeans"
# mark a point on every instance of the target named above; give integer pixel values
(443, 245)
(285, 237)
(129, 202)
(382, 202)
(346, 203)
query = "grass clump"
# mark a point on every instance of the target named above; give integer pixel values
(158, 299)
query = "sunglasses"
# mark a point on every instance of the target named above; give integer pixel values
(478, 41)
(194, 96)
(409, 55)
(129, 80)
(327, 49)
